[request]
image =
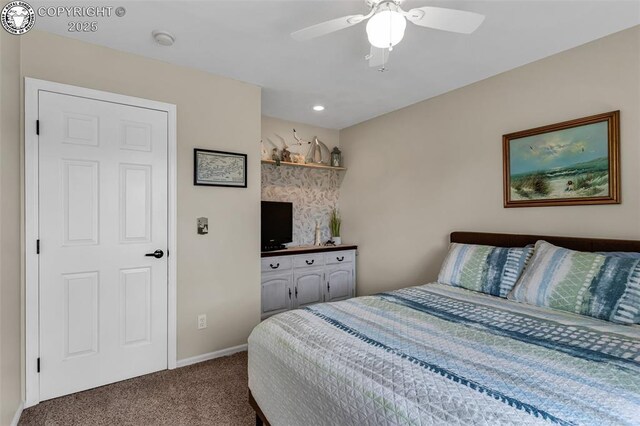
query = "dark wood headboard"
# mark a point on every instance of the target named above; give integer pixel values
(516, 240)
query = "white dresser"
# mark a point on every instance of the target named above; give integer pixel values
(298, 277)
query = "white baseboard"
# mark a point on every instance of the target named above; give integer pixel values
(211, 355)
(16, 416)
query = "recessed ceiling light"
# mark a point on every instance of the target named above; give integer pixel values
(163, 38)
(318, 108)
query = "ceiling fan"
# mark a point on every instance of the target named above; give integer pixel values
(387, 23)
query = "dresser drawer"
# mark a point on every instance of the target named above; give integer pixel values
(272, 264)
(339, 257)
(308, 260)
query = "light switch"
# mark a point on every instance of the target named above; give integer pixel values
(203, 226)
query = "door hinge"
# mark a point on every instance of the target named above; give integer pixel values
(38, 367)
(37, 127)
(37, 246)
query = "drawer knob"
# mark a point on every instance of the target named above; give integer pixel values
(340, 259)
(310, 262)
(277, 265)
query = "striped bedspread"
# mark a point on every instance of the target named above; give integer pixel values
(436, 354)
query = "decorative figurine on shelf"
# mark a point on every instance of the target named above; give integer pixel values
(336, 157)
(286, 154)
(299, 140)
(297, 158)
(315, 154)
(318, 239)
(275, 157)
(264, 154)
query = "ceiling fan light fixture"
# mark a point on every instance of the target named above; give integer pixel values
(386, 28)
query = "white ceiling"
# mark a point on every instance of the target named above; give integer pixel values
(249, 41)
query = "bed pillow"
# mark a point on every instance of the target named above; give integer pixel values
(625, 254)
(487, 269)
(605, 287)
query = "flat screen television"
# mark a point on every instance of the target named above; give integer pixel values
(277, 225)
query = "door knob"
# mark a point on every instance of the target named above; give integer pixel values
(157, 254)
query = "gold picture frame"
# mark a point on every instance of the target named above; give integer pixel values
(575, 162)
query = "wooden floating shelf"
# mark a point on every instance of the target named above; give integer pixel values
(310, 166)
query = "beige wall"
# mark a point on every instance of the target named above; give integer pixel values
(10, 312)
(416, 174)
(218, 274)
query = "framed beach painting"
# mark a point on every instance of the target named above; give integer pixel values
(571, 163)
(219, 168)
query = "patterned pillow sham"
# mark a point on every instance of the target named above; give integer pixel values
(625, 254)
(605, 287)
(486, 269)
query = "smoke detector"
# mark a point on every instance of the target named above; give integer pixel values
(163, 38)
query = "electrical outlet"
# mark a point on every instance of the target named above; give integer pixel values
(202, 321)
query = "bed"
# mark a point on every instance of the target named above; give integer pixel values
(436, 354)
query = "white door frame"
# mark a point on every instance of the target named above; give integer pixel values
(32, 333)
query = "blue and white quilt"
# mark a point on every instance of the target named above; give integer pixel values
(436, 354)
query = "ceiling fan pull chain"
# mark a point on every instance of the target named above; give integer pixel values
(390, 33)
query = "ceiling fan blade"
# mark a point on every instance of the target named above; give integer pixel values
(457, 21)
(378, 57)
(327, 27)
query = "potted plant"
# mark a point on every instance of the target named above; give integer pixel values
(334, 225)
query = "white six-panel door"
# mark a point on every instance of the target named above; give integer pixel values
(102, 209)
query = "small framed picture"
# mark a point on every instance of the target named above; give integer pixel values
(219, 168)
(565, 164)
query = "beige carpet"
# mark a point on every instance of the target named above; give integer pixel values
(208, 393)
